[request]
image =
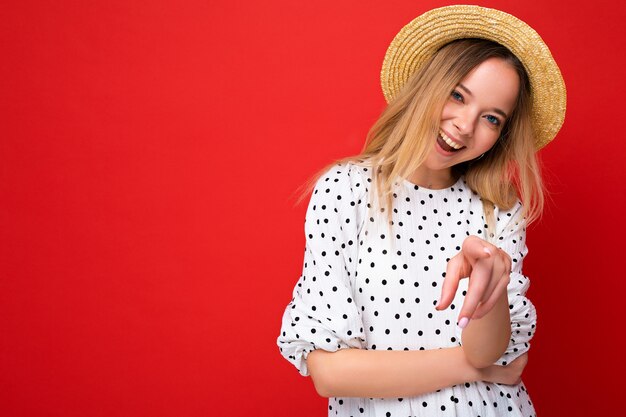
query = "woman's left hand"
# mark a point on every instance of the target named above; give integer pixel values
(488, 268)
(510, 374)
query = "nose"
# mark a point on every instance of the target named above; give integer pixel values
(464, 122)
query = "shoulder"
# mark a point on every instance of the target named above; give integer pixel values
(344, 179)
(510, 221)
(340, 197)
(515, 213)
(338, 205)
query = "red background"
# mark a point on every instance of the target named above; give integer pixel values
(149, 240)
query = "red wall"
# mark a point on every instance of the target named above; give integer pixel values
(149, 241)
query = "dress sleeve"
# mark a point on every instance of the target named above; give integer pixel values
(511, 237)
(322, 313)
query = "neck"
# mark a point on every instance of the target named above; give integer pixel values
(435, 180)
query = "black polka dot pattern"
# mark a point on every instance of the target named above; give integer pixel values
(370, 284)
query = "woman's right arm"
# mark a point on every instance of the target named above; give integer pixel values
(399, 373)
(388, 373)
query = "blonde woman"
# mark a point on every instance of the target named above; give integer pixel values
(412, 300)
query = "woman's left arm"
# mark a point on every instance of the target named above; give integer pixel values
(484, 316)
(485, 338)
(496, 321)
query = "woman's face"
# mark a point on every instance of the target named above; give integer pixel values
(475, 113)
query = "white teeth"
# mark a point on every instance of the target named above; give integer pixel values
(449, 141)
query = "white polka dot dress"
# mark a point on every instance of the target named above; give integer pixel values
(367, 286)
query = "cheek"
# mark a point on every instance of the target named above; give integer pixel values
(489, 138)
(447, 111)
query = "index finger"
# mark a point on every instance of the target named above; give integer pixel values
(450, 282)
(479, 280)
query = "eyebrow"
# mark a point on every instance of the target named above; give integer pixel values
(496, 110)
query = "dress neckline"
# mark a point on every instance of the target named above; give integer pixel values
(459, 182)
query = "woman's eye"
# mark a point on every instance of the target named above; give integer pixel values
(457, 96)
(493, 120)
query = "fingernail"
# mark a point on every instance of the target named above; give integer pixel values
(463, 322)
(437, 305)
(486, 249)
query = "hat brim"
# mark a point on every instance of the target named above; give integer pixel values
(422, 37)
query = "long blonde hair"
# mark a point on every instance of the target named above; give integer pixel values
(400, 140)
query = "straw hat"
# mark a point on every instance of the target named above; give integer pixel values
(423, 36)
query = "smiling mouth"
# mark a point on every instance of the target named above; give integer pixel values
(448, 144)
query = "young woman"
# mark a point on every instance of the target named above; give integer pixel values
(383, 318)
